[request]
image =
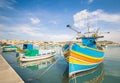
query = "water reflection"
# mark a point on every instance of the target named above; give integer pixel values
(37, 65)
(65, 78)
(92, 76)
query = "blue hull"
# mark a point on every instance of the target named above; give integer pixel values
(75, 68)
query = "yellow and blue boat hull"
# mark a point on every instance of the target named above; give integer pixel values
(82, 58)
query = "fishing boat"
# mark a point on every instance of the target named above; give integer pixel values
(85, 55)
(9, 48)
(31, 54)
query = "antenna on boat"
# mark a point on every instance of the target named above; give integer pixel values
(104, 32)
(88, 27)
(97, 30)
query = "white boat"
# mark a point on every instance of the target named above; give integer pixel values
(43, 54)
(41, 63)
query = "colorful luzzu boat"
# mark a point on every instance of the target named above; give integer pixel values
(83, 56)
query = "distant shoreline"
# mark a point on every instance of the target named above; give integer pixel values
(17, 42)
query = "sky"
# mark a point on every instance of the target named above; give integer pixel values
(46, 20)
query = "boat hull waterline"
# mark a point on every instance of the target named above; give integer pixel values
(24, 59)
(82, 58)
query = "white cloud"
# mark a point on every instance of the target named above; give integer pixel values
(1, 25)
(7, 4)
(23, 29)
(90, 1)
(31, 33)
(28, 30)
(53, 22)
(60, 37)
(35, 32)
(83, 17)
(4, 18)
(35, 20)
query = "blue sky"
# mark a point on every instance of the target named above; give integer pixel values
(46, 20)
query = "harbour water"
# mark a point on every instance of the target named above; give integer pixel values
(54, 69)
(112, 65)
(45, 71)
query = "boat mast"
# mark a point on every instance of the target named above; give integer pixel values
(88, 27)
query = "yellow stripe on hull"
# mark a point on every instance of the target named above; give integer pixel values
(76, 61)
(84, 55)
